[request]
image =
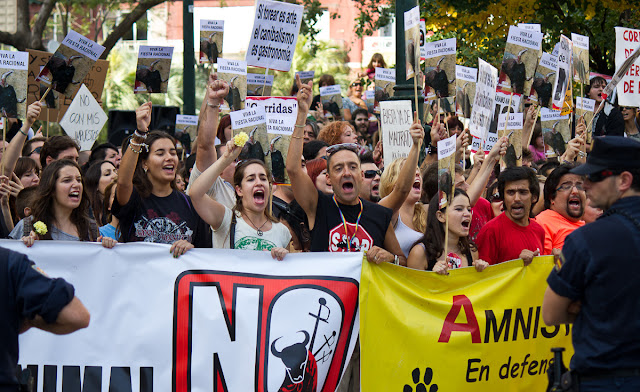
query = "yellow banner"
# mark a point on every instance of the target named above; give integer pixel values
(468, 331)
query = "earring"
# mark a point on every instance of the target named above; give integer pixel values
(145, 169)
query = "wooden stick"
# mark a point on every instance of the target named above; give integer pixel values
(415, 91)
(45, 95)
(48, 113)
(266, 73)
(533, 126)
(4, 148)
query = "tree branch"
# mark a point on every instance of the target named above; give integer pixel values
(41, 21)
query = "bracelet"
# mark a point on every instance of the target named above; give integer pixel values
(396, 260)
(299, 126)
(297, 137)
(432, 150)
(213, 105)
(141, 145)
(22, 132)
(137, 152)
(142, 135)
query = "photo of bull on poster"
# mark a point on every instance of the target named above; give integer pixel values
(396, 118)
(446, 170)
(274, 35)
(629, 86)
(154, 67)
(563, 75)
(281, 114)
(501, 107)
(580, 58)
(306, 77)
(521, 54)
(466, 78)
(84, 119)
(544, 80)
(211, 38)
(585, 110)
(412, 41)
(555, 132)
(186, 131)
(331, 95)
(13, 84)
(484, 100)
(234, 72)
(259, 85)
(513, 129)
(385, 80)
(440, 71)
(68, 66)
(423, 38)
(253, 122)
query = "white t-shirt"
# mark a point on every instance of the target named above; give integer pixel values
(247, 237)
(221, 191)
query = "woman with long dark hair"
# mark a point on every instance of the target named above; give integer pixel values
(147, 204)
(249, 225)
(429, 253)
(97, 177)
(60, 209)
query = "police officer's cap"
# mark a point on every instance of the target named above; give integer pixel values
(611, 152)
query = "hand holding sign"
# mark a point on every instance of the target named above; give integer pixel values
(33, 112)
(305, 97)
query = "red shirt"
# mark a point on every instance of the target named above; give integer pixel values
(502, 240)
(482, 213)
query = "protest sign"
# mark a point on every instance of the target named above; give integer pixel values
(466, 331)
(216, 320)
(234, 72)
(259, 85)
(68, 66)
(512, 128)
(13, 84)
(585, 109)
(521, 54)
(530, 26)
(253, 122)
(370, 98)
(446, 170)
(306, 77)
(211, 34)
(627, 40)
(563, 75)
(423, 40)
(84, 119)
(555, 132)
(281, 114)
(186, 125)
(466, 78)
(396, 118)
(440, 69)
(412, 41)
(484, 100)
(274, 35)
(56, 106)
(580, 58)
(331, 95)
(502, 102)
(544, 80)
(385, 80)
(152, 72)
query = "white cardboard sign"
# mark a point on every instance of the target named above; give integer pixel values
(84, 119)
(484, 101)
(396, 118)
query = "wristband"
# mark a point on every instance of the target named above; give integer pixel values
(22, 132)
(213, 105)
(142, 135)
(432, 150)
(396, 260)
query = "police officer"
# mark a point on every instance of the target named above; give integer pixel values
(28, 299)
(594, 284)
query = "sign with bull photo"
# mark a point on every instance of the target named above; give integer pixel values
(211, 34)
(253, 122)
(385, 80)
(218, 320)
(281, 114)
(580, 58)
(585, 111)
(412, 41)
(154, 67)
(544, 80)
(446, 170)
(306, 76)
(563, 76)
(521, 54)
(466, 78)
(13, 84)
(556, 132)
(259, 85)
(186, 131)
(71, 62)
(234, 72)
(511, 127)
(331, 95)
(502, 102)
(440, 69)
(84, 119)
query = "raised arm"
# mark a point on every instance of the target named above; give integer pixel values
(208, 121)
(209, 209)
(304, 191)
(407, 174)
(480, 181)
(130, 155)
(12, 153)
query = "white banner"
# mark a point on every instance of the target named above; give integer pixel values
(629, 86)
(229, 320)
(396, 118)
(274, 35)
(484, 101)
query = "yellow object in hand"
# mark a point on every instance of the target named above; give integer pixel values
(40, 227)
(240, 139)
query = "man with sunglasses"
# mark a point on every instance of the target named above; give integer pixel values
(594, 284)
(370, 187)
(564, 203)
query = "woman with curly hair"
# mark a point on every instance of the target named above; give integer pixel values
(338, 132)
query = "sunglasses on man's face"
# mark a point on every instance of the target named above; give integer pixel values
(356, 84)
(601, 175)
(372, 173)
(36, 150)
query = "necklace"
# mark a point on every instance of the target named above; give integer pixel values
(344, 222)
(260, 232)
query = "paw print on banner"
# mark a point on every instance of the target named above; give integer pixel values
(421, 386)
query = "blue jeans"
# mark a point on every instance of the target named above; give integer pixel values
(622, 384)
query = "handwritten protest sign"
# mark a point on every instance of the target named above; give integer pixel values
(466, 78)
(385, 80)
(84, 119)
(627, 40)
(211, 35)
(68, 66)
(580, 58)
(252, 121)
(446, 169)
(513, 129)
(484, 101)
(152, 72)
(274, 35)
(563, 76)
(521, 54)
(412, 41)
(440, 69)
(234, 72)
(13, 84)
(186, 125)
(259, 85)
(396, 118)
(543, 80)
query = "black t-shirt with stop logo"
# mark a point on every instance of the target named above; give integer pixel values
(328, 233)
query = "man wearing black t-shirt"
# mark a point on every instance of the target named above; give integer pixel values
(342, 222)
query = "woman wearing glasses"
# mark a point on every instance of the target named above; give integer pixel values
(249, 225)
(354, 99)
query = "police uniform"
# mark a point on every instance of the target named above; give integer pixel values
(600, 267)
(24, 293)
